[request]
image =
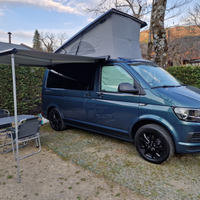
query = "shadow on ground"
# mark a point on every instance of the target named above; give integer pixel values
(118, 160)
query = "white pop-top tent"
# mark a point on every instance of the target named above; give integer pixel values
(114, 33)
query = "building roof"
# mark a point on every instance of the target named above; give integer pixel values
(4, 46)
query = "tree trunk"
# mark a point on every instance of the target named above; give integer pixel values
(150, 39)
(158, 31)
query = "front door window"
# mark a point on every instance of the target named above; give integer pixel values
(112, 76)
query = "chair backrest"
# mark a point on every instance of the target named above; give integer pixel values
(4, 113)
(28, 127)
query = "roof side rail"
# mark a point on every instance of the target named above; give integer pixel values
(133, 60)
(124, 59)
(107, 57)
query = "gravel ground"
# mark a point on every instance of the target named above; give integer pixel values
(46, 176)
(118, 161)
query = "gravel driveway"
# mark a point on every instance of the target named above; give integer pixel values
(46, 176)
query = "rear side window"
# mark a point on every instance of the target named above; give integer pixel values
(56, 80)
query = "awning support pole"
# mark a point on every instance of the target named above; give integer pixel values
(15, 108)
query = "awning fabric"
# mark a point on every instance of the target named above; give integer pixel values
(42, 59)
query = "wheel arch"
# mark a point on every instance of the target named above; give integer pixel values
(143, 122)
(52, 107)
(56, 119)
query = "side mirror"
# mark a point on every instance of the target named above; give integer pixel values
(127, 88)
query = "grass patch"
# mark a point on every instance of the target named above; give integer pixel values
(9, 176)
(119, 161)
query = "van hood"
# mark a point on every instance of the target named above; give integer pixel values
(181, 96)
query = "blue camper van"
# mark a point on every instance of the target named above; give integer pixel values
(134, 100)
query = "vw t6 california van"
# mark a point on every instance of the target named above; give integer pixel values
(128, 99)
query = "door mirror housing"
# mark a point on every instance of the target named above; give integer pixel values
(127, 88)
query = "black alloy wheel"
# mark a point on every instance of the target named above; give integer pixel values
(154, 143)
(56, 120)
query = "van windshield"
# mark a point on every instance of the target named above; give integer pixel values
(154, 75)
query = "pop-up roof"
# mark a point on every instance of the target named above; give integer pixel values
(114, 33)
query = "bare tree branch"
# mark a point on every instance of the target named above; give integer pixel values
(178, 8)
(51, 41)
(193, 16)
(136, 8)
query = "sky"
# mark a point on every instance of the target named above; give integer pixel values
(23, 17)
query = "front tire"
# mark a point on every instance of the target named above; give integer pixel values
(56, 120)
(154, 143)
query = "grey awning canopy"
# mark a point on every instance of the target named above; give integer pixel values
(42, 59)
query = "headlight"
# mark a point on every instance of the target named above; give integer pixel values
(188, 114)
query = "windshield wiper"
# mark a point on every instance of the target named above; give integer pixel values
(183, 84)
(164, 86)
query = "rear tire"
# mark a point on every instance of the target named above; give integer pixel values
(56, 120)
(154, 143)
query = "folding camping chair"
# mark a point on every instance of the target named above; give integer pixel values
(28, 129)
(4, 128)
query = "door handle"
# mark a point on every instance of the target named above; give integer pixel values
(88, 94)
(100, 95)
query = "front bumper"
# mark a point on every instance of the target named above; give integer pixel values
(192, 143)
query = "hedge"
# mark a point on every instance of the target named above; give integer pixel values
(189, 75)
(28, 87)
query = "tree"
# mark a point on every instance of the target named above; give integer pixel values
(52, 41)
(36, 41)
(183, 44)
(193, 16)
(186, 46)
(136, 8)
(159, 35)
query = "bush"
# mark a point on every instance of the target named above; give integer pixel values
(188, 74)
(28, 87)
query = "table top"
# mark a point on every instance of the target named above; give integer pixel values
(7, 120)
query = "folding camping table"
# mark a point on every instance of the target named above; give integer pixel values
(8, 120)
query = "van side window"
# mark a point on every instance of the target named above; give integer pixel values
(112, 76)
(56, 80)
